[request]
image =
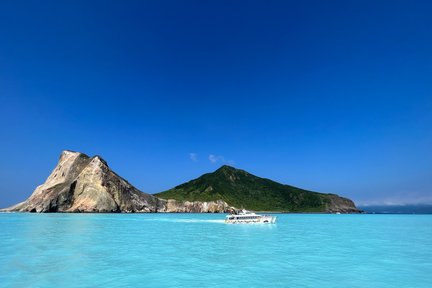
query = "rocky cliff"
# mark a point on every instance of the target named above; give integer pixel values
(335, 204)
(80, 183)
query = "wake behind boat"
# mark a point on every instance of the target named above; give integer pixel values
(246, 217)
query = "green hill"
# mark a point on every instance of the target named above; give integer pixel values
(243, 190)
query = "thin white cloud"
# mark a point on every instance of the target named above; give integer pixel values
(213, 158)
(193, 157)
(219, 159)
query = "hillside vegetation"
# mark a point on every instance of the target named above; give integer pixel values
(243, 190)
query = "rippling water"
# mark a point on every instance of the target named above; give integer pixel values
(199, 250)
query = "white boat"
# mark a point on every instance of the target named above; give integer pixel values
(246, 217)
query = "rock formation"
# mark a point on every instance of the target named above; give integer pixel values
(172, 205)
(340, 204)
(83, 184)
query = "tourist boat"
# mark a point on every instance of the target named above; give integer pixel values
(246, 217)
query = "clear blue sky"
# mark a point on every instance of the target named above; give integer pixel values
(332, 96)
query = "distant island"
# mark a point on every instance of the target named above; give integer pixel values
(398, 209)
(80, 183)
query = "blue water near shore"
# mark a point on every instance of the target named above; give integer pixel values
(199, 250)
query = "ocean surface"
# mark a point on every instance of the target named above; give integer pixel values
(199, 250)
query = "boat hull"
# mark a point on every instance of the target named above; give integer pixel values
(260, 220)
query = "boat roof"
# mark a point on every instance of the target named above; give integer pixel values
(243, 214)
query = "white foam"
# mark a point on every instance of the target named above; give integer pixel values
(197, 221)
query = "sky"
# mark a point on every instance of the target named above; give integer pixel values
(329, 96)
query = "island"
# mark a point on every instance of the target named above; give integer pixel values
(80, 183)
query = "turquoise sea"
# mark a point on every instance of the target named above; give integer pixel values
(199, 250)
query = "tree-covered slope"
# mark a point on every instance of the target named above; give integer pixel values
(243, 190)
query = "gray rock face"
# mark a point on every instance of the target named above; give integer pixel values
(83, 184)
(340, 204)
(197, 207)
